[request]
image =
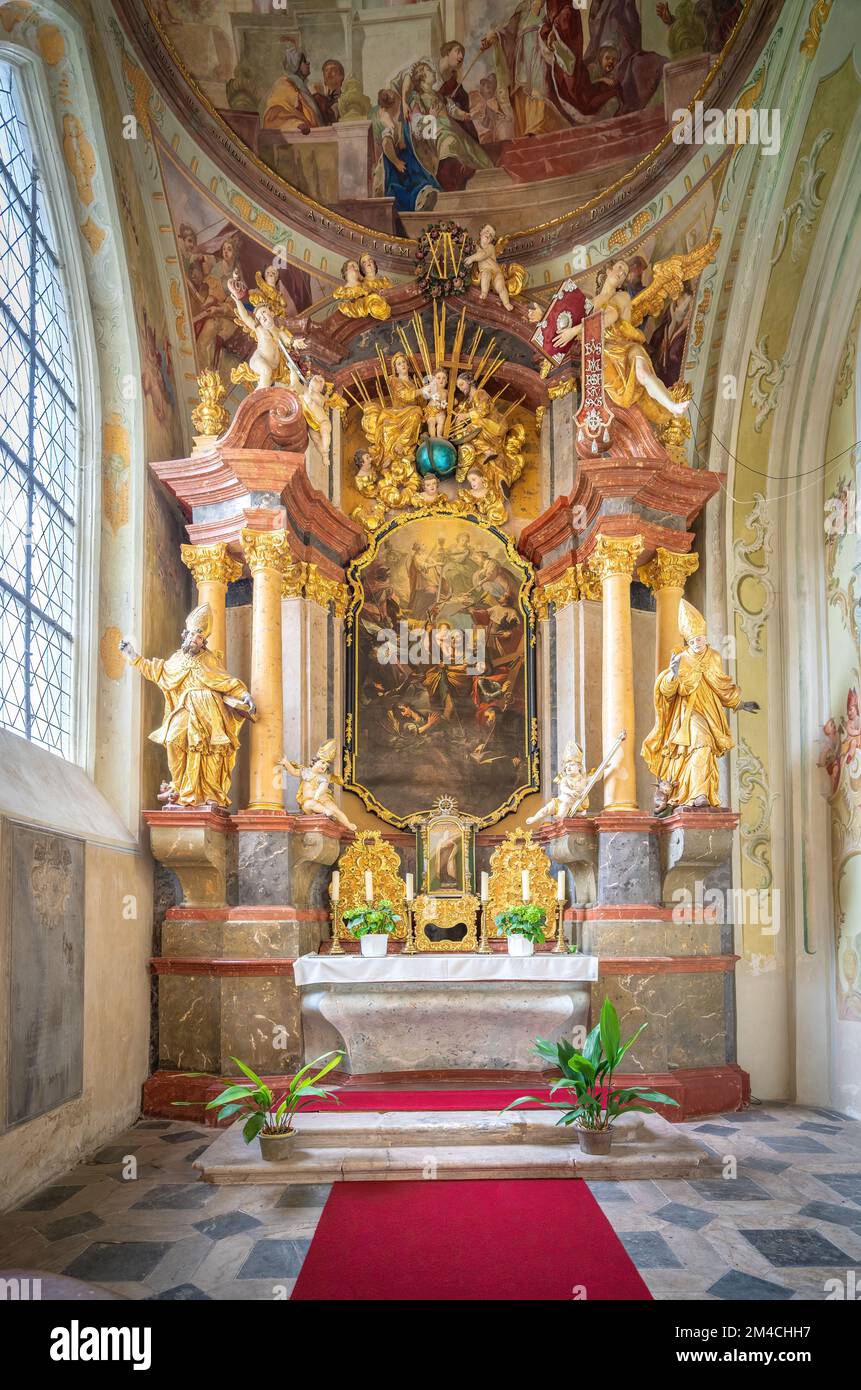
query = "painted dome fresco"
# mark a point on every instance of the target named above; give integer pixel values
(546, 116)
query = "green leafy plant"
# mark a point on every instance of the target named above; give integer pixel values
(523, 919)
(371, 920)
(594, 1103)
(265, 1112)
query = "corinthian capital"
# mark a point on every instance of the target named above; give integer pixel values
(211, 563)
(669, 569)
(615, 555)
(266, 550)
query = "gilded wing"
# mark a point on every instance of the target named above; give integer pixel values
(668, 278)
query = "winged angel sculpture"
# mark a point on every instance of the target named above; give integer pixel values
(629, 377)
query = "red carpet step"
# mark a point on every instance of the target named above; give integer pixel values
(465, 1241)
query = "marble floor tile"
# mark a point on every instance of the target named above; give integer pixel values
(735, 1284)
(790, 1246)
(274, 1259)
(649, 1250)
(108, 1261)
(692, 1218)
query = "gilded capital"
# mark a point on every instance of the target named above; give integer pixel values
(588, 582)
(669, 569)
(211, 563)
(266, 550)
(321, 589)
(560, 592)
(615, 555)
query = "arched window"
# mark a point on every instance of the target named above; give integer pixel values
(38, 448)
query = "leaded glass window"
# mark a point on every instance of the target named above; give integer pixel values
(38, 448)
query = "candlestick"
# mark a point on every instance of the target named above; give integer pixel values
(561, 944)
(560, 886)
(410, 947)
(335, 890)
(369, 886)
(336, 949)
(485, 887)
(483, 942)
(525, 885)
(410, 890)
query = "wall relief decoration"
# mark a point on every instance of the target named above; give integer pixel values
(441, 671)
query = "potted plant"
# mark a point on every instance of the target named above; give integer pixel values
(523, 925)
(267, 1116)
(594, 1102)
(372, 925)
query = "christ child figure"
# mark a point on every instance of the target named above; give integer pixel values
(435, 392)
(490, 272)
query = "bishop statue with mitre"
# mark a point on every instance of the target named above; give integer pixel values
(691, 729)
(204, 708)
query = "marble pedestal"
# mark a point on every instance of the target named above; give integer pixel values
(253, 901)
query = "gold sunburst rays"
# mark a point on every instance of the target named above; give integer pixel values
(427, 355)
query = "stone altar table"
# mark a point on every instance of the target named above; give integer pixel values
(441, 1011)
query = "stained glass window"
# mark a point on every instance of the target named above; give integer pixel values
(38, 448)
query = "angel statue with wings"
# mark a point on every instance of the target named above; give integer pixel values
(315, 785)
(629, 377)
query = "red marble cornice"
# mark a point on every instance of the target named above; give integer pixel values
(665, 965)
(216, 966)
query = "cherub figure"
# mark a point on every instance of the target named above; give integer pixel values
(271, 291)
(430, 494)
(573, 797)
(435, 392)
(488, 270)
(315, 785)
(318, 399)
(359, 297)
(271, 360)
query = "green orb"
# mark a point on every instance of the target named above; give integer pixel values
(436, 456)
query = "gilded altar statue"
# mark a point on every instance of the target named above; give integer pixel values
(271, 362)
(315, 785)
(482, 432)
(629, 376)
(204, 709)
(318, 399)
(271, 292)
(359, 297)
(575, 784)
(691, 731)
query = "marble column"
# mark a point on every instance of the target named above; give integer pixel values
(213, 568)
(267, 554)
(612, 562)
(665, 575)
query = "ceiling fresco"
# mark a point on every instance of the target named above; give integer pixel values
(369, 120)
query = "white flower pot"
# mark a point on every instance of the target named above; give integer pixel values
(377, 944)
(520, 946)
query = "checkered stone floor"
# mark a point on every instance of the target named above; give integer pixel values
(776, 1217)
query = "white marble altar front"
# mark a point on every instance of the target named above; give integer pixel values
(446, 1011)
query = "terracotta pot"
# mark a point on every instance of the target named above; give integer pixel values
(376, 944)
(595, 1141)
(520, 946)
(275, 1148)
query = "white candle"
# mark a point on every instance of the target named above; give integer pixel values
(560, 886)
(525, 879)
(336, 886)
(409, 888)
(369, 886)
(485, 887)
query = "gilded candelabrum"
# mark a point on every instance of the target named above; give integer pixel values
(336, 949)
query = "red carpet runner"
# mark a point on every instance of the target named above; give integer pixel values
(454, 1241)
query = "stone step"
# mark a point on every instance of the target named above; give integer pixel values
(453, 1146)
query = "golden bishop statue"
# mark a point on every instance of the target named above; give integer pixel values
(691, 727)
(204, 709)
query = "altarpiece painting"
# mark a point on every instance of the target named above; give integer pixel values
(440, 692)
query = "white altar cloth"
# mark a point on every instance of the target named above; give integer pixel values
(450, 966)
